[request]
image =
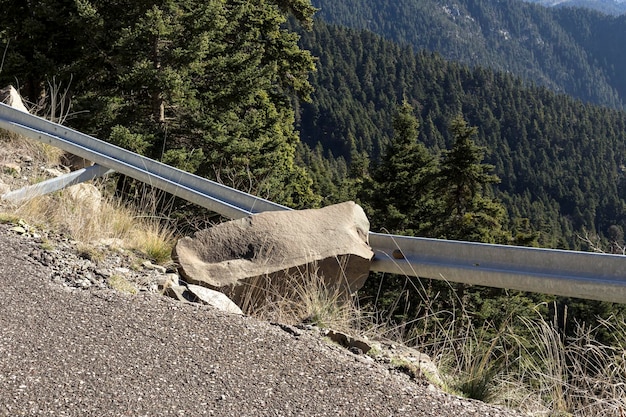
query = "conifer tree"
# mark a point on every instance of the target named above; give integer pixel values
(469, 213)
(403, 200)
(214, 81)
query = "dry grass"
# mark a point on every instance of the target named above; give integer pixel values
(535, 368)
(92, 224)
(577, 376)
(153, 240)
(300, 296)
(41, 153)
(121, 284)
(85, 217)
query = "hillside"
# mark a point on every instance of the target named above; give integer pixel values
(102, 353)
(614, 7)
(560, 161)
(568, 50)
(75, 344)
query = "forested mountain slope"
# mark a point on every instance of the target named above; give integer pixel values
(615, 7)
(561, 162)
(567, 50)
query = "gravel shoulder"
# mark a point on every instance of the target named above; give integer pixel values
(96, 352)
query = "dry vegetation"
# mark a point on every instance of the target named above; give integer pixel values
(540, 372)
(81, 216)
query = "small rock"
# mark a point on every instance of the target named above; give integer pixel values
(214, 298)
(149, 265)
(19, 230)
(177, 292)
(166, 281)
(9, 95)
(348, 341)
(103, 273)
(53, 172)
(355, 350)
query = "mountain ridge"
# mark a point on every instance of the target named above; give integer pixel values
(568, 50)
(612, 7)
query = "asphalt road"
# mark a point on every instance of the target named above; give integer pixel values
(101, 353)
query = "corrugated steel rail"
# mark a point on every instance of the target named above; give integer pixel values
(212, 195)
(566, 273)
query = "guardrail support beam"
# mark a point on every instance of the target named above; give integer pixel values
(56, 184)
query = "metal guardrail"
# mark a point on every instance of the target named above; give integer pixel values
(566, 273)
(212, 195)
(594, 276)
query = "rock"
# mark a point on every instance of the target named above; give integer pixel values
(178, 292)
(267, 249)
(411, 358)
(74, 162)
(11, 97)
(53, 172)
(168, 280)
(86, 195)
(213, 298)
(19, 230)
(149, 265)
(357, 346)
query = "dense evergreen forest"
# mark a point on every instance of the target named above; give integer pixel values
(227, 89)
(207, 86)
(560, 161)
(614, 7)
(575, 51)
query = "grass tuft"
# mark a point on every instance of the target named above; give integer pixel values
(302, 296)
(154, 241)
(121, 284)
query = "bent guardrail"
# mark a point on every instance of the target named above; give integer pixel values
(212, 195)
(566, 273)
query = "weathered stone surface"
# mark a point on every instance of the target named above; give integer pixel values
(166, 281)
(349, 342)
(178, 292)
(213, 298)
(149, 265)
(86, 195)
(275, 246)
(11, 97)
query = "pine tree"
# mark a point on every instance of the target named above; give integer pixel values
(217, 79)
(463, 185)
(403, 200)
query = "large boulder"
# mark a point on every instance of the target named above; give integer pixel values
(266, 253)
